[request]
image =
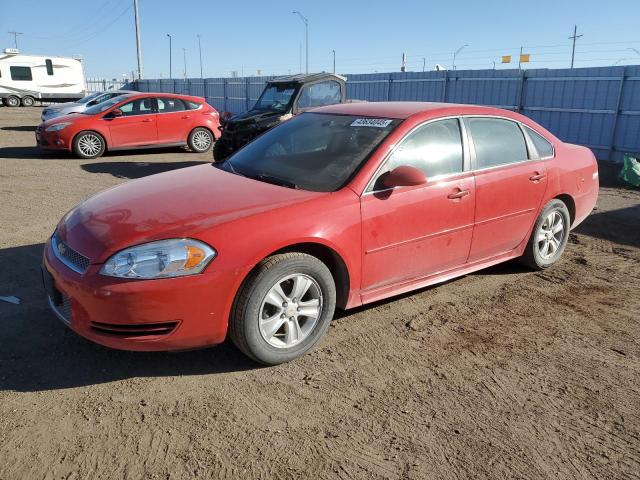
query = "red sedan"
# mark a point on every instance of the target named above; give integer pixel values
(337, 207)
(130, 121)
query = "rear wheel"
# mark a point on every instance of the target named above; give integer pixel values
(28, 101)
(284, 308)
(549, 236)
(200, 140)
(12, 101)
(88, 145)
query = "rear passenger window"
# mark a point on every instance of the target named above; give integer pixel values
(166, 105)
(543, 146)
(22, 74)
(434, 148)
(49, 65)
(497, 142)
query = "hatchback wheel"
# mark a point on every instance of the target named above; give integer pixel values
(12, 101)
(200, 140)
(284, 308)
(28, 101)
(88, 145)
(549, 237)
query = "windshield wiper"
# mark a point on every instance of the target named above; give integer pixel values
(263, 177)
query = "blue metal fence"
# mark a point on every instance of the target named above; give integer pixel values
(596, 107)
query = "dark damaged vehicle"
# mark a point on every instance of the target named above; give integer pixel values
(282, 98)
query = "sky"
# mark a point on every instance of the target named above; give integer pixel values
(264, 37)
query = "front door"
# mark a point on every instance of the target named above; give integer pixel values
(509, 186)
(136, 126)
(413, 232)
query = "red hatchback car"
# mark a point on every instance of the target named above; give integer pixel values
(139, 120)
(337, 207)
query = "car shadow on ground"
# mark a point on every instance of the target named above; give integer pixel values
(136, 169)
(620, 226)
(38, 352)
(20, 128)
(31, 153)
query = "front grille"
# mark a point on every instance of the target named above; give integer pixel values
(67, 255)
(63, 310)
(134, 330)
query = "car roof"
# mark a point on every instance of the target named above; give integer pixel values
(403, 110)
(307, 77)
(132, 93)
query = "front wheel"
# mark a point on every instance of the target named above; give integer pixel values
(284, 308)
(200, 140)
(88, 145)
(549, 236)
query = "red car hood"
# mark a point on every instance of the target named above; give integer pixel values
(175, 204)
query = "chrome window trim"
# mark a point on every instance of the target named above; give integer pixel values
(465, 154)
(67, 263)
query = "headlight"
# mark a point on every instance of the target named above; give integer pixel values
(57, 126)
(163, 259)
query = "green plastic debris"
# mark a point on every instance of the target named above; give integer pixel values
(630, 173)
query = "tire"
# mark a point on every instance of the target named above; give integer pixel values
(549, 236)
(28, 101)
(12, 101)
(200, 140)
(219, 151)
(290, 334)
(88, 144)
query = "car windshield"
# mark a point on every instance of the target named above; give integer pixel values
(89, 97)
(276, 98)
(313, 151)
(101, 107)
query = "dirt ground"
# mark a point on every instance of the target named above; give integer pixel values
(506, 373)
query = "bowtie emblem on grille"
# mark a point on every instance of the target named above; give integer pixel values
(62, 248)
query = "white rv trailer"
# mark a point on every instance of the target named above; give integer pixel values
(25, 78)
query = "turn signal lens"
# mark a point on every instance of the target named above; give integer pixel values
(194, 256)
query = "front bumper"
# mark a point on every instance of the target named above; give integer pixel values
(51, 140)
(146, 315)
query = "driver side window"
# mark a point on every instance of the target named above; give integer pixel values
(319, 94)
(434, 148)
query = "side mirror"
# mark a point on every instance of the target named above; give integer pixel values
(404, 176)
(116, 113)
(91, 103)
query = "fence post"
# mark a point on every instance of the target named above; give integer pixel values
(444, 87)
(224, 94)
(523, 76)
(616, 114)
(247, 90)
(389, 89)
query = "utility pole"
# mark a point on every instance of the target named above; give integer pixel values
(15, 37)
(424, 63)
(574, 38)
(170, 76)
(306, 37)
(184, 54)
(135, 8)
(520, 60)
(200, 50)
(403, 65)
(334, 61)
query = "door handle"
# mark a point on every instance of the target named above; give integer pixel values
(537, 177)
(186, 116)
(458, 195)
(147, 120)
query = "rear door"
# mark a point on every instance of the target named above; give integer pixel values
(413, 232)
(509, 186)
(174, 120)
(136, 126)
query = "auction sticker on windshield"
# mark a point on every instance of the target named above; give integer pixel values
(371, 122)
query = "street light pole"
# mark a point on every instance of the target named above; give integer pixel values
(306, 37)
(184, 54)
(334, 61)
(200, 50)
(170, 75)
(455, 54)
(135, 8)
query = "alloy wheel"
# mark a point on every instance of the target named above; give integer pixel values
(290, 310)
(550, 235)
(90, 144)
(202, 140)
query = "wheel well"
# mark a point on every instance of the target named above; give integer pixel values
(334, 263)
(570, 203)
